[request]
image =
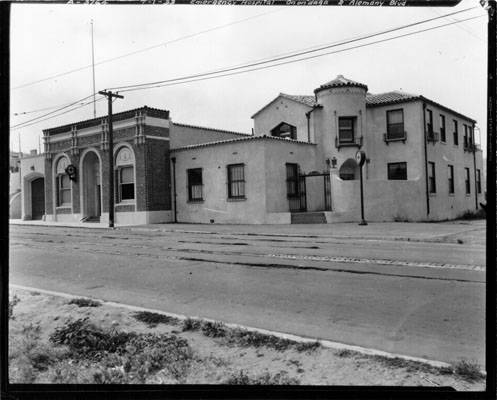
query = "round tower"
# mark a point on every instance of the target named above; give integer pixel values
(343, 118)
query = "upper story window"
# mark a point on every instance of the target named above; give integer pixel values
(62, 183)
(466, 136)
(443, 137)
(395, 125)
(285, 130)
(346, 129)
(292, 180)
(451, 178)
(195, 185)
(429, 122)
(456, 133)
(125, 175)
(467, 180)
(236, 181)
(432, 185)
(397, 171)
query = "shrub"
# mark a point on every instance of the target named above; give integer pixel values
(190, 324)
(153, 319)
(280, 378)
(469, 370)
(83, 302)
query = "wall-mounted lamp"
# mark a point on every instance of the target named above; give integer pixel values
(333, 162)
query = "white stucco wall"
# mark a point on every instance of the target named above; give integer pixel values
(181, 135)
(283, 110)
(32, 167)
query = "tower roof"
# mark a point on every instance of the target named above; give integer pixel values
(340, 81)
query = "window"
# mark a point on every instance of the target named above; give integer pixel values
(292, 180)
(63, 183)
(470, 136)
(466, 142)
(395, 124)
(125, 183)
(456, 134)
(442, 128)
(236, 181)
(431, 177)
(346, 129)
(285, 130)
(478, 181)
(429, 122)
(63, 190)
(397, 171)
(467, 181)
(124, 175)
(194, 184)
(451, 179)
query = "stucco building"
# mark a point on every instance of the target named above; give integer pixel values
(297, 166)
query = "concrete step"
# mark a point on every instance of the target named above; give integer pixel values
(308, 218)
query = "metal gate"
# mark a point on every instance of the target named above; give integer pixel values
(314, 193)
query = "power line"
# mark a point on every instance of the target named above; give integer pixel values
(303, 52)
(300, 59)
(147, 48)
(17, 114)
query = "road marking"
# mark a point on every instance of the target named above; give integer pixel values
(301, 339)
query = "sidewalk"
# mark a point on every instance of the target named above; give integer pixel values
(468, 231)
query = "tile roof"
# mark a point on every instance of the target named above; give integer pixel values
(211, 129)
(229, 141)
(307, 100)
(340, 81)
(389, 97)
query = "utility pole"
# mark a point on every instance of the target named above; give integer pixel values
(93, 71)
(109, 96)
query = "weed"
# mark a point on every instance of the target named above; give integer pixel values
(12, 303)
(344, 353)
(280, 378)
(153, 319)
(190, 324)
(469, 370)
(307, 346)
(214, 329)
(83, 302)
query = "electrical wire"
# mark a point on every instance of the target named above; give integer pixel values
(148, 48)
(298, 53)
(300, 59)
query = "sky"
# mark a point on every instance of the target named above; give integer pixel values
(447, 65)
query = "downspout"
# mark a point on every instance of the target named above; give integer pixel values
(426, 161)
(308, 116)
(474, 163)
(173, 159)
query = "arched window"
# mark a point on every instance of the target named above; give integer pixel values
(285, 130)
(62, 183)
(348, 170)
(125, 175)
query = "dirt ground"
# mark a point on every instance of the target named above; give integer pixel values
(213, 361)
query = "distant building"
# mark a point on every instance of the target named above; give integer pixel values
(298, 166)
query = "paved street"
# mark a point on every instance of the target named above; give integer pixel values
(414, 289)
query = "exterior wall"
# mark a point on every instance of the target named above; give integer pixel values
(14, 182)
(185, 135)
(215, 205)
(283, 110)
(277, 154)
(32, 167)
(380, 153)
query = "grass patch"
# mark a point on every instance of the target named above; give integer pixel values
(153, 319)
(12, 303)
(245, 338)
(83, 302)
(280, 378)
(468, 370)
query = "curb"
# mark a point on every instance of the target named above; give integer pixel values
(300, 339)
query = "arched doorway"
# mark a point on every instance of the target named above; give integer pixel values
(91, 187)
(37, 198)
(349, 170)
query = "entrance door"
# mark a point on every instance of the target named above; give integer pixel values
(37, 198)
(91, 186)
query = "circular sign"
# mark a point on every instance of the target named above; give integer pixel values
(360, 157)
(70, 169)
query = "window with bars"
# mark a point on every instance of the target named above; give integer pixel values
(467, 181)
(431, 177)
(125, 179)
(346, 129)
(292, 180)
(456, 133)
(195, 185)
(451, 178)
(443, 137)
(395, 124)
(236, 181)
(63, 190)
(397, 171)
(478, 180)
